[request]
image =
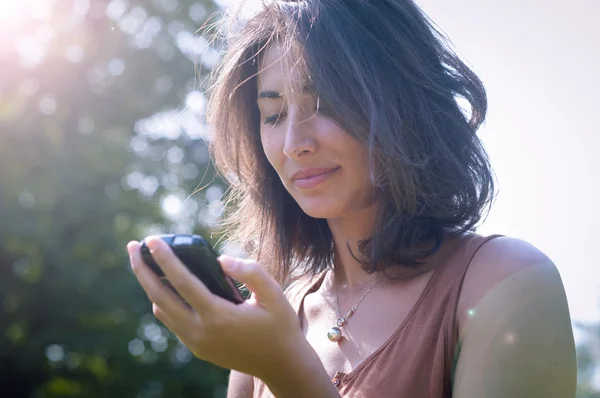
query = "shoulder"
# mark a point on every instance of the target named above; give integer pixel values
(515, 330)
(510, 272)
(298, 286)
(499, 261)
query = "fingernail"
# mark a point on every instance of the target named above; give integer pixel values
(153, 244)
(130, 246)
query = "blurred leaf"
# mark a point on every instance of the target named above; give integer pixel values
(96, 133)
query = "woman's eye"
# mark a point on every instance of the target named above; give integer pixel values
(275, 119)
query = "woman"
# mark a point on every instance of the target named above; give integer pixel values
(357, 183)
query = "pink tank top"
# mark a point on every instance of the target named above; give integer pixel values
(418, 359)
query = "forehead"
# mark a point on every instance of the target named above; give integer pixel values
(282, 69)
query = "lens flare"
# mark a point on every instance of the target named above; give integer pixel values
(15, 13)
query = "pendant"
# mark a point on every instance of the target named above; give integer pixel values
(334, 334)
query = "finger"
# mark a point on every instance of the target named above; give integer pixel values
(257, 280)
(175, 327)
(154, 288)
(181, 279)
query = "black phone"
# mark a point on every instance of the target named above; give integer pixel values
(200, 258)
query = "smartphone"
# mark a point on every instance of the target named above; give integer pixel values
(200, 258)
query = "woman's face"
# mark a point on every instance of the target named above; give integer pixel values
(324, 169)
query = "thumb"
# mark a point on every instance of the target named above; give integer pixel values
(257, 280)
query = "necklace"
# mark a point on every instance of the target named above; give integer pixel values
(335, 333)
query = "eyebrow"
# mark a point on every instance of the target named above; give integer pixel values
(268, 94)
(275, 95)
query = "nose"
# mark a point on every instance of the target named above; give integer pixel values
(299, 139)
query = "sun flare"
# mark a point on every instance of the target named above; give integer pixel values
(12, 11)
(16, 13)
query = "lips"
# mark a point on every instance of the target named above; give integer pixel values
(310, 178)
(308, 173)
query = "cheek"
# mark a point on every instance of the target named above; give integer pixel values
(273, 150)
(349, 150)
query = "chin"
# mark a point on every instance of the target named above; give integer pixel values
(336, 206)
(318, 208)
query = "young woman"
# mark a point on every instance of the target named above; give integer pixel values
(357, 183)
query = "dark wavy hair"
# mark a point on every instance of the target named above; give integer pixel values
(390, 79)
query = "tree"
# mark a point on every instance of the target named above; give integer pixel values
(588, 356)
(101, 137)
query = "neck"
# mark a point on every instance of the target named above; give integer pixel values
(347, 231)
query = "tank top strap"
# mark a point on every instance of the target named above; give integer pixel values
(300, 288)
(453, 276)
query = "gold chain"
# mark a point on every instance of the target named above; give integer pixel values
(342, 320)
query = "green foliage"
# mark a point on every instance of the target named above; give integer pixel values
(587, 359)
(101, 140)
(100, 126)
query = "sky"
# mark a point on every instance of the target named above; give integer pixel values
(540, 63)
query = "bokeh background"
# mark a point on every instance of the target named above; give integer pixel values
(103, 140)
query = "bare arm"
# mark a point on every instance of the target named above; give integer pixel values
(290, 383)
(516, 333)
(240, 385)
(291, 380)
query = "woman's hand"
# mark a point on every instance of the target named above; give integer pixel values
(254, 337)
(260, 337)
